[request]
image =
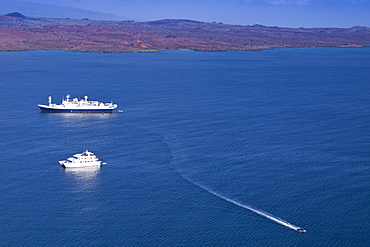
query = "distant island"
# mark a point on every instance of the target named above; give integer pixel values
(20, 33)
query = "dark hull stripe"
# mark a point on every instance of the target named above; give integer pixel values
(76, 110)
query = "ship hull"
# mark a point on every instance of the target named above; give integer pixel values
(66, 164)
(83, 110)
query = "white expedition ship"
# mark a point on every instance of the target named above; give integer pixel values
(78, 105)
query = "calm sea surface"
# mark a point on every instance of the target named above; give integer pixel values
(204, 137)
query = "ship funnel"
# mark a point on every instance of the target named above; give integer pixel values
(49, 98)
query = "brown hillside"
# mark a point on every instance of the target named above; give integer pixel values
(22, 33)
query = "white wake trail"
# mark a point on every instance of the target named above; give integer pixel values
(257, 211)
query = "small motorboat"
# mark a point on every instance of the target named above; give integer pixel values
(301, 230)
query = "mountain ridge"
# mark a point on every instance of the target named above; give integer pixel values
(36, 10)
(19, 32)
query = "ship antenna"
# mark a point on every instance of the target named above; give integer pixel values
(49, 98)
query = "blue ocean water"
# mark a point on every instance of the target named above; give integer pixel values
(285, 131)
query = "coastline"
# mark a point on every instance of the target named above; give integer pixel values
(23, 33)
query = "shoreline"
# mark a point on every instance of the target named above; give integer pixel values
(195, 50)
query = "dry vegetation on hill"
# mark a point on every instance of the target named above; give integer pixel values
(18, 32)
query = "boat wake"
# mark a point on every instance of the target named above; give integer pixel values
(243, 205)
(255, 210)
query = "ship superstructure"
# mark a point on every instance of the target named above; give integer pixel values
(78, 105)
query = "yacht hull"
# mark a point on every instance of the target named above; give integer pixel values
(67, 164)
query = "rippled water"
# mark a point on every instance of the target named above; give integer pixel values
(284, 131)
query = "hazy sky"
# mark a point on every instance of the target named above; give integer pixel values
(284, 13)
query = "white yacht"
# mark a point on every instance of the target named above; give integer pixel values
(85, 159)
